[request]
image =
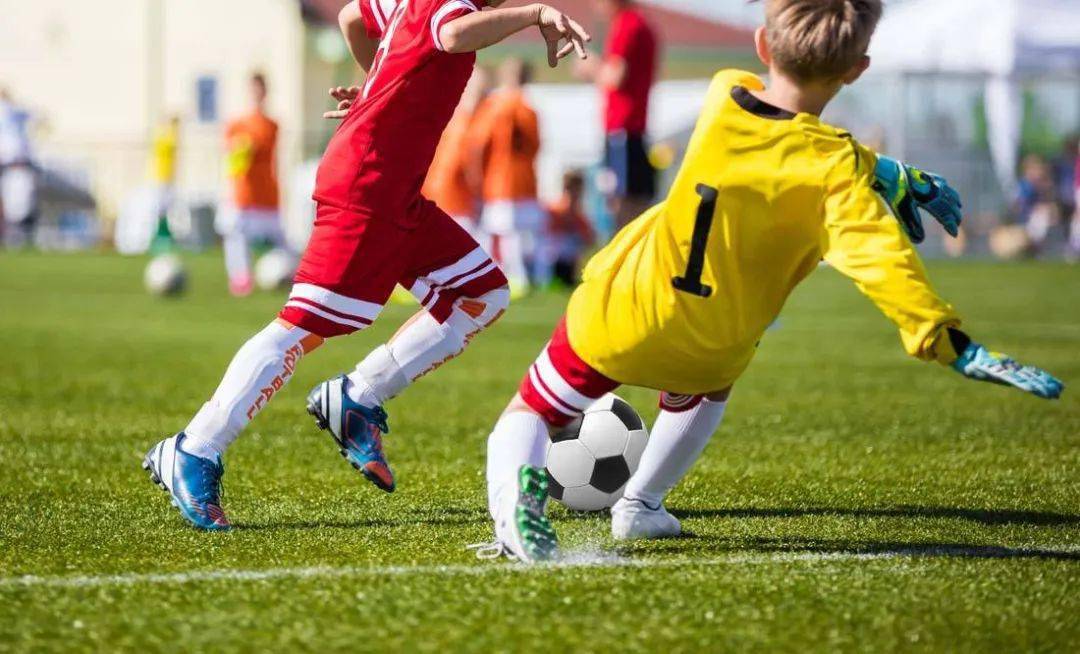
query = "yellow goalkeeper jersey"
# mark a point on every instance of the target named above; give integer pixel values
(679, 299)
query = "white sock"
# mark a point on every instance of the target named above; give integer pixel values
(237, 255)
(421, 346)
(259, 370)
(519, 438)
(675, 443)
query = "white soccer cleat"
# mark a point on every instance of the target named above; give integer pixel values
(636, 520)
(522, 530)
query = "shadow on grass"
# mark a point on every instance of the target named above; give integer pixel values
(983, 516)
(440, 517)
(692, 543)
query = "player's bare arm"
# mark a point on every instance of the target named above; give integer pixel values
(361, 45)
(363, 49)
(479, 30)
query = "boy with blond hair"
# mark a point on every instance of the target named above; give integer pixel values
(681, 297)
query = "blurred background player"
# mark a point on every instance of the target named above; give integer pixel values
(164, 147)
(569, 232)
(18, 175)
(252, 212)
(504, 142)
(447, 183)
(625, 76)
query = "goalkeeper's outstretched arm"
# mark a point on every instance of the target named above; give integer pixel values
(863, 241)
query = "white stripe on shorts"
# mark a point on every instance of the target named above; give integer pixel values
(460, 267)
(327, 315)
(339, 303)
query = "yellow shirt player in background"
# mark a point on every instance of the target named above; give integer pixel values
(162, 172)
(678, 301)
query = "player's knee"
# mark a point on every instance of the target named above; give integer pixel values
(480, 312)
(719, 396)
(519, 405)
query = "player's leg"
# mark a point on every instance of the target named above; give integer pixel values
(498, 219)
(557, 389)
(188, 465)
(462, 292)
(680, 434)
(237, 248)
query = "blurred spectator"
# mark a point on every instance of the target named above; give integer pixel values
(252, 212)
(163, 175)
(1036, 203)
(1065, 165)
(569, 233)
(18, 175)
(447, 183)
(504, 142)
(625, 76)
(1074, 232)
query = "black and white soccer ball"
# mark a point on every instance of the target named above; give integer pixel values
(165, 276)
(591, 460)
(275, 269)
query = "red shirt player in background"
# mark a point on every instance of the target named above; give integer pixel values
(625, 76)
(373, 230)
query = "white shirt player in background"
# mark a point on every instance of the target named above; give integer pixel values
(18, 176)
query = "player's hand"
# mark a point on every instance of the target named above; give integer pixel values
(980, 364)
(557, 27)
(345, 97)
(907, 189)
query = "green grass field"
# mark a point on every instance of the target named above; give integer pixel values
(854, 500)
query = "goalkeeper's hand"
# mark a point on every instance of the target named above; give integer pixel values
(907, 189)
(978, 363)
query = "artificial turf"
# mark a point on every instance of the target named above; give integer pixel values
(854, 500)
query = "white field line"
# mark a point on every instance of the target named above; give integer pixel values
(599, 561)
(572, 560)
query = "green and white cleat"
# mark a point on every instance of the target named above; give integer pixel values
(522, 529)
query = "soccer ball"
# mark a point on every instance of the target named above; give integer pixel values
(591, 460)
(165, 275)
(275, 269)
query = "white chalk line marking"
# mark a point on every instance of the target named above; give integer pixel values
(573, 561)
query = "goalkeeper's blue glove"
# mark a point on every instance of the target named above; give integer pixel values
(978, 363)
(907, 189)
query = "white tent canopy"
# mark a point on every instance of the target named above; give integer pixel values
(1003, 40)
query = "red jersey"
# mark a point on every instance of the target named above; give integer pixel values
(635, 42)
(381, 152)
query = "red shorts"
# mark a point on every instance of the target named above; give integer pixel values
(353, 262)
(560, 385)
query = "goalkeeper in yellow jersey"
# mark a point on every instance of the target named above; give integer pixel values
(678, 301)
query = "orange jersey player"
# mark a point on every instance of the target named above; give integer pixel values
(505, 140)
(252, 210)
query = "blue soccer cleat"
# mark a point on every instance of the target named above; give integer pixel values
(193, 482)
(356, 429)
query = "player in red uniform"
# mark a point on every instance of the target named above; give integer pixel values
(373, 230)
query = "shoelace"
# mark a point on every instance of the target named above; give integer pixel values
(211, 474)
(491, 551)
